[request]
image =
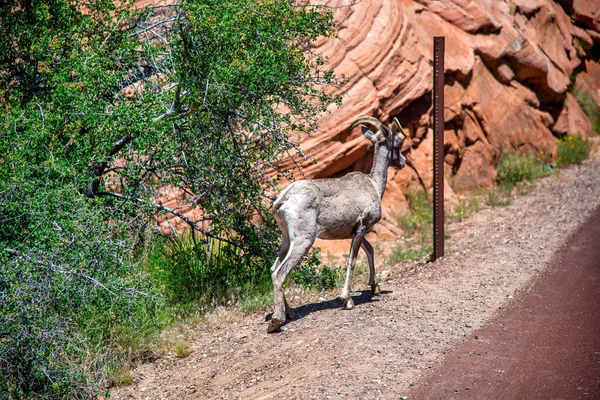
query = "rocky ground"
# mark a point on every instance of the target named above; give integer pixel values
(386, 344)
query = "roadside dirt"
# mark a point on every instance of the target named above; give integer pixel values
(385, 346)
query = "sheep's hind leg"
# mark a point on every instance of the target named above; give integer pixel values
(345, 296)
(366, 246)
(298, 249)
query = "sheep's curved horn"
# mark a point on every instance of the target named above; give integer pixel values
(365, 120)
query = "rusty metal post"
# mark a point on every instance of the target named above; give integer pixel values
(438, 147)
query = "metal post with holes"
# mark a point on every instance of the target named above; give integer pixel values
(438, 147)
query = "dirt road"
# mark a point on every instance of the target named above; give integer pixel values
(545, 344)
(385, 346)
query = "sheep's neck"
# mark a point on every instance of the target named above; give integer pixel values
(379, 170)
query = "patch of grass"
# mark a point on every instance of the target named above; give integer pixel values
(258, 301)
(466, 207)
(416, 224)
(408, 225)
(573, 150)
(123, 378)
(193, 278)
(420, 215)
(182, 349)
(514, 169)
(124, 345)
(118, 374)
(408, 253)
(496, 197)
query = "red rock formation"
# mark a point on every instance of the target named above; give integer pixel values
(572, 120)
(509, 66)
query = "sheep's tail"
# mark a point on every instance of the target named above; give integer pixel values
(281, 199)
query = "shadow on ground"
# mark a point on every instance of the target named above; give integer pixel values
(364, 297)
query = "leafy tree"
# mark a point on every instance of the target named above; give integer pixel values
(67, 281)
(103, 108)
(237, 81)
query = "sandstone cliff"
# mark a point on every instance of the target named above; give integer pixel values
(509, 69)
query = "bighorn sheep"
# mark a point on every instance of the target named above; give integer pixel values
(337, 208)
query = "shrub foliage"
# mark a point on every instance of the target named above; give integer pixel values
(516, 168)
(572, 150)
(103, 108)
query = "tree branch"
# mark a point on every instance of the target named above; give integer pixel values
(191, 224)
(92, 189)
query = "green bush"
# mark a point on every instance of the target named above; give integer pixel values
(70, 296)
(313, 274)
(101, 107)
(515, 168)
(190, 276)
(572, 150)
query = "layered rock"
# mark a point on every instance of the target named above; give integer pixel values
(509, 67)
(572, 120)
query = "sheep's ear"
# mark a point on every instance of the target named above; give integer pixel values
(397, 129)
(368, 134)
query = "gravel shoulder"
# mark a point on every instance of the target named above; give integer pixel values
(386, 344)
(543, 345)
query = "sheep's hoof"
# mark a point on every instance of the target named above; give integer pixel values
(274, 325)
(375, 290)
(348, 304)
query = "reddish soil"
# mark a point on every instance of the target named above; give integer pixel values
(544, 345)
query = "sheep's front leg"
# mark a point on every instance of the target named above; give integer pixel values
(375, 290)
(357, 239)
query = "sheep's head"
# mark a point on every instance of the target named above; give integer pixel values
(390, 138)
